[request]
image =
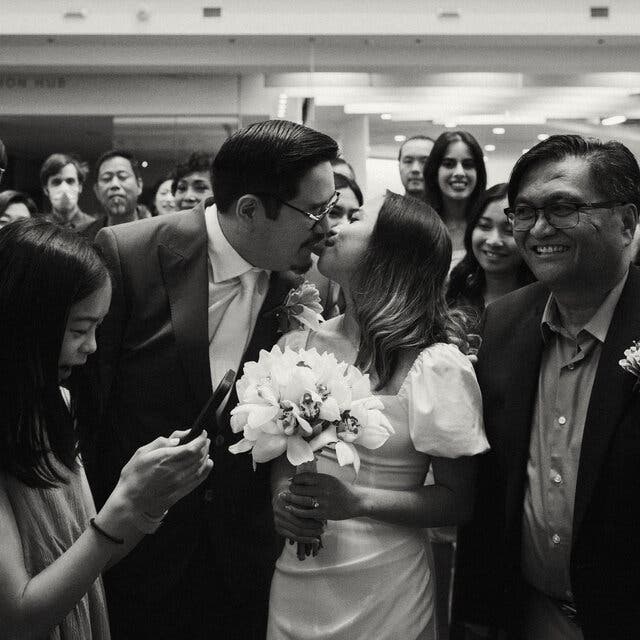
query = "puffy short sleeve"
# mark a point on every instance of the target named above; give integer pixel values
(444, 404)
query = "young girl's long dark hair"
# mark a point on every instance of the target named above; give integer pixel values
(44, 270)
(399, 297)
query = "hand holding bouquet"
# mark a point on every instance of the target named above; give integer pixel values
(300, 401)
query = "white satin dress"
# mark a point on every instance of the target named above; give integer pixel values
(372, 580)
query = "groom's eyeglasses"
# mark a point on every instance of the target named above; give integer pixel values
(316, 216)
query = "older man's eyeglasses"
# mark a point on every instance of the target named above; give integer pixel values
(560, 215)
(317, 215)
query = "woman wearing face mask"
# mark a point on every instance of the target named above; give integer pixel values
(54, 292)
(455, 176)
(492, 266)
(371, 578)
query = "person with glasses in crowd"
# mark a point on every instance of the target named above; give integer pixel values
(195, 294)
(552, 550)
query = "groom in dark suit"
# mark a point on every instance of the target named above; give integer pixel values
(196, 293)
(553, 551)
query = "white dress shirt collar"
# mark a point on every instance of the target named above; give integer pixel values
(226, 262)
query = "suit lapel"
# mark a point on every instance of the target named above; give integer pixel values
(183, 260)
(611, 394)
(519, 406)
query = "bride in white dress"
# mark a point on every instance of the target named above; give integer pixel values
(371, 578)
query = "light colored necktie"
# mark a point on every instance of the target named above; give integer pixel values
(231, 336)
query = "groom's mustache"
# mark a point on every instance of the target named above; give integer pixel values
(314, 240)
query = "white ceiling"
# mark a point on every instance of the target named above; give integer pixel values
(530, 67)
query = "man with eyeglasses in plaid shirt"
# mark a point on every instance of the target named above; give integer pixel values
(553, 550)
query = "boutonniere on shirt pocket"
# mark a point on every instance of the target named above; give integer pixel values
(302, 308)
(631, 362)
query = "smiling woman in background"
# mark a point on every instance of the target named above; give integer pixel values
(348, 204)
(455, 176)
(492, 266)
(15, 205)
(162, 200)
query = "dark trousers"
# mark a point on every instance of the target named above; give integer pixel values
(195, 609)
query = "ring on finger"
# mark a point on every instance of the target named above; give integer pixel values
(314, 503)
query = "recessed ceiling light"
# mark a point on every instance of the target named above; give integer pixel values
(499, 131)
(489, 147)
(144, 164)
(400, 138)
(385, 116)
(79, 14)
(542, 136)
(611, 120)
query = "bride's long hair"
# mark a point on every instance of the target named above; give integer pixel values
(399, 296)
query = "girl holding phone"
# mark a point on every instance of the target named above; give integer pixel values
(54, 292)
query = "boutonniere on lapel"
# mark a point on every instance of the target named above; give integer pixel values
(631, 362)
(301, 308)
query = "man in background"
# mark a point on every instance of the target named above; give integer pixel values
(62, 179)
(118, 186)
(412, 157)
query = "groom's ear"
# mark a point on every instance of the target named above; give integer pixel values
(248, 208)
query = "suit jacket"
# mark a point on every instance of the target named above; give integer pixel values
(605, 553)
(153, 361)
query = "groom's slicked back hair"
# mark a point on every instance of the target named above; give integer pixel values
(268, 158)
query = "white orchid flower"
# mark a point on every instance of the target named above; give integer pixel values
(301, 401)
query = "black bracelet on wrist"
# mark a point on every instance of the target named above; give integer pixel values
(104, 534)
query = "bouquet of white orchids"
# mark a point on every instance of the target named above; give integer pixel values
(302, 401)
